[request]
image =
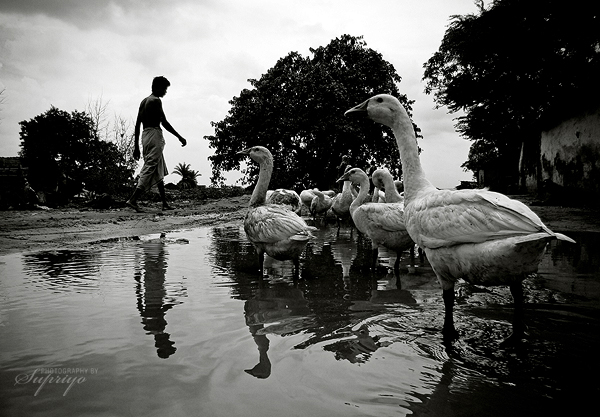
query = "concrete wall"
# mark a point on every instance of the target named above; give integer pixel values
(570, 154)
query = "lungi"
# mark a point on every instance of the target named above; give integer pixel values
(155, 167)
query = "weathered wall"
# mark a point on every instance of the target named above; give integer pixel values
(570, 153)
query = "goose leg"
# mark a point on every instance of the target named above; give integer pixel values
(261, 261)
(397, 263)
(296, 268)
(374, 254)
(449, 332)
(518, 330)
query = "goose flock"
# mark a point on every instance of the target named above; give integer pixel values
(481, 236)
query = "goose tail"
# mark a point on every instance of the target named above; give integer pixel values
(560, 236)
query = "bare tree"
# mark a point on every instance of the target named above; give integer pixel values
(120, 131)
(96, 110)
(2, 100)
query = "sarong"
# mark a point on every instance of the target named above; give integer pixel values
(155, 167)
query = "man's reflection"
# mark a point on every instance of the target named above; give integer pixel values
(151, 295)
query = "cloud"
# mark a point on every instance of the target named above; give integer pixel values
(66, 52)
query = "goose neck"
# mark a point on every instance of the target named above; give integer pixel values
(414, 177)
(259, 195)
(362, 194)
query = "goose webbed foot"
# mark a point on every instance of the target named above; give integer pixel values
(449, 334)
(513, 340)
(516, 338)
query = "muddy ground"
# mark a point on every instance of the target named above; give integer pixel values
(32, 230)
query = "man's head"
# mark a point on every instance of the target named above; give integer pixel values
(159, 86)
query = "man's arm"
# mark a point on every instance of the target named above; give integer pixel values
(170, 128)
(136, 143)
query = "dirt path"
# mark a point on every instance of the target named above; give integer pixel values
(23, 231)
(31, 230)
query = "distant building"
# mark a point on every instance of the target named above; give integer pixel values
(13, 179)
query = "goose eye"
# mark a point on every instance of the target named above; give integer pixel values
(379, 100)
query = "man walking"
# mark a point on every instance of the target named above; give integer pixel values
(151, 116)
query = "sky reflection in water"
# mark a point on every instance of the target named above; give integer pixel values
(183, 324)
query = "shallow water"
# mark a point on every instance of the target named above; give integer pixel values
(185, 326)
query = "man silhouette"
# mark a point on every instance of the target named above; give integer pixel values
(151, 116)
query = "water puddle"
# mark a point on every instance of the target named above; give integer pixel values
(182, 324)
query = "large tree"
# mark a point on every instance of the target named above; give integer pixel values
(514, 68)
(64, 155)
(297, 110)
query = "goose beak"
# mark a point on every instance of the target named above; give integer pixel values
(343, 177)
(362, 107)
(244, 152)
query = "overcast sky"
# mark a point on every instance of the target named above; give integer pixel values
(66, 53)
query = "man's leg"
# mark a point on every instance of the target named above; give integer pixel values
(132, 202)
(161, 190)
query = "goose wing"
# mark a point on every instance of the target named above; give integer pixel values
(446, 218)
(384, 216)
(273, 223)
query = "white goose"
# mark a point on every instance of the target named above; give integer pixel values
(341, 203)
(320, 203)
(383, 180)
(383, 223)
(272, 228)
(481, 236)
(306, 197)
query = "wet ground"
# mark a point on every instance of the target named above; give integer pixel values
(184, 325)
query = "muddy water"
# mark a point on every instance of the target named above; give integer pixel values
(183, 325)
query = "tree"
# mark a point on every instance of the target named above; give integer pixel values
(2, 100)
(65, 155)
(120, 132)
(188, 175)
(515, 68)
(297, 110)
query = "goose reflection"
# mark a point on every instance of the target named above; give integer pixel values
(344, 250)
(389, 289)
(356, 346)
(152, 300)
(274, 309)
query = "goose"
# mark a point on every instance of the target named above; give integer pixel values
(272, 228)
(341, 203)
(378, 195)
(481, 236)
(383, 223)
(383, 180)
(320, 203)
(287, 198)
(306, 197)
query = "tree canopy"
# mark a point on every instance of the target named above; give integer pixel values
(296, 110)
(515, 68)
(64, 155)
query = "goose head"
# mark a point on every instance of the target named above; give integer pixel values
(379, 177)
(354, 175)
(257, 153)
(382, 108)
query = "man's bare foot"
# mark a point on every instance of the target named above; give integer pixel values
(167, 207)
(134, 206)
